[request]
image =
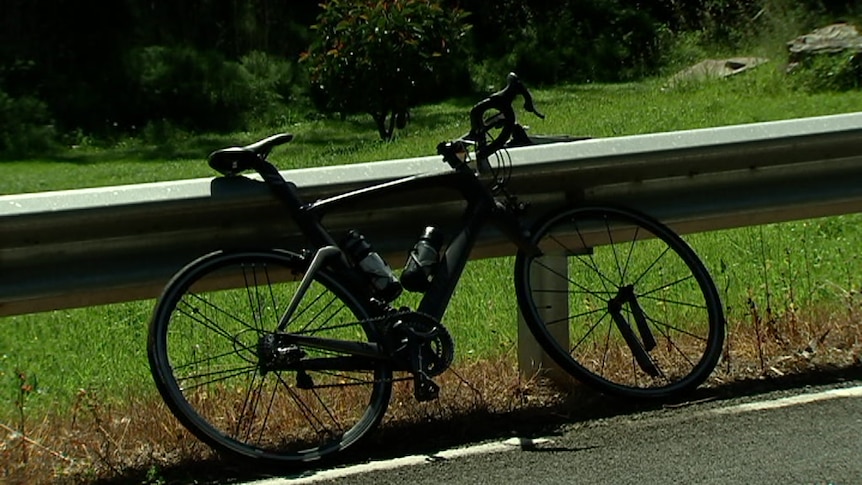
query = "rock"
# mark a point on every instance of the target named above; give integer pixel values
(832, 39)
(826, 40)
(716, 68)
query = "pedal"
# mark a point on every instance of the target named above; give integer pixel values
(424, 389)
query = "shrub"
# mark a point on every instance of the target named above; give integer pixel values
(276, 83)
(191, 88)
(25, 126)
(565, 41)
(828, 72)
(382, 57)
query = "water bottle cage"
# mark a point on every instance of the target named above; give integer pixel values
(422, 261)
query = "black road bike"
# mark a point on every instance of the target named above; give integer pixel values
(288, 356)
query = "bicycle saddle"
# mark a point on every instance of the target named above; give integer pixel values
(234, 160)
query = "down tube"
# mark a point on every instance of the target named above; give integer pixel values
(448, 273)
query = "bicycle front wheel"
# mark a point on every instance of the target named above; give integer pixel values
(204, 350)
(620, 302)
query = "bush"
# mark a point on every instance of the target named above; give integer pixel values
(277, 84)
(828, 72)
(25, 127)
(194, 89)
(382, 57)
(565, 41)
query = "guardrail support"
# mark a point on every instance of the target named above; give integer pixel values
(553, 304)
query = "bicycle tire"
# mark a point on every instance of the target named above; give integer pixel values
(642, 314)
(202, 347)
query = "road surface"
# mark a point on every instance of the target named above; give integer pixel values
(807, 435)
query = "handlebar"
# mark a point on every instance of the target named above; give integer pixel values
(500, 101)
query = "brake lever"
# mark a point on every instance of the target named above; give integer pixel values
(528, 102)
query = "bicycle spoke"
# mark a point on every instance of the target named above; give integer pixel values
(651, 266)
(666, 285)
(590, 331)
(675, 328)
(196, 311)
(578, 285)
(631, 251)
(572, 317)
(675, 302)
(249, 405)
(269, 408)
(223, 376)
(591, 265)
(307, 413)
(212, 358)
(605, 352)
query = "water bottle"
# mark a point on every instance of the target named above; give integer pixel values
(422, 260)
(384, 283)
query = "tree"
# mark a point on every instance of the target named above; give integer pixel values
(378, 57)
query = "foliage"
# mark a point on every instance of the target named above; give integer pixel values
(25, 126)
(191, 87)
(828, 72)
(81, 74)
(382, 57)
(565, 41)
(278, 85)
(83, 65)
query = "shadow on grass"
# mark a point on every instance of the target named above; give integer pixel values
(195, 147)
(426, 438)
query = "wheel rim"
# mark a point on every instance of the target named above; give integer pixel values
(640, 312)
(211, 372)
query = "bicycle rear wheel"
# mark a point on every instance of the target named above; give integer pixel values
(620, 302)
(204, 350)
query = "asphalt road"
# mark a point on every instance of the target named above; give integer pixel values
(807, 435)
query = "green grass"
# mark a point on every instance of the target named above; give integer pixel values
(785, 266)
(594, 110)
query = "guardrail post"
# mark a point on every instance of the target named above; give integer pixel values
(554, 306)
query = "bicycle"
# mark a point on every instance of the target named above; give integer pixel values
(290, 356)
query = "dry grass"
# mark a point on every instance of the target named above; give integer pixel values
(793, 342)
(141, 442)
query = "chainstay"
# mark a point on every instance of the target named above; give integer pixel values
(375, 321)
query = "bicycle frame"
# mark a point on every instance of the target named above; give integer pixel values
(286, 394)
(482, 207)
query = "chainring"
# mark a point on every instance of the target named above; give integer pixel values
(422, 333)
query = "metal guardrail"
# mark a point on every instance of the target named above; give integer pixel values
(93, 246)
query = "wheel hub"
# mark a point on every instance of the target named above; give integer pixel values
(275, 353)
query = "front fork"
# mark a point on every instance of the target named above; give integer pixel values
(626, 296)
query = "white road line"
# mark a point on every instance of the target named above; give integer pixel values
(790, 401)
(497, 447)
